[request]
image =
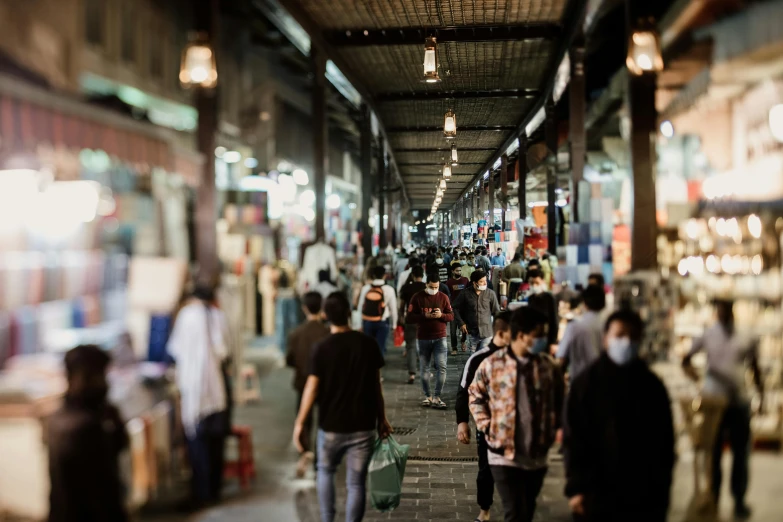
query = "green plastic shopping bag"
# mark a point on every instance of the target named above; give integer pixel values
(387, 468)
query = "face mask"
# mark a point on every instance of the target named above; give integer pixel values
(431, 291)
(481, 288)
(622, 351)
(439, 261)
(537, 289)
(463, 262)
(539, 345)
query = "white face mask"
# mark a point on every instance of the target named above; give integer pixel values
(537, 289)
(621, 350)
(463, 262)
(481, 288)
(439, 260)
(431, 291)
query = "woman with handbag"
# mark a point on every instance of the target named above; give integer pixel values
(199, 346)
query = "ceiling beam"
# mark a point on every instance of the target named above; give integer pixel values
(459, 149)
(464, 128)
(416, 36)
(434, 164)
(456, 95)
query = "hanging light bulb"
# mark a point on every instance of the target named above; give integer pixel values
(446, 171)
(450, 125)
(644, 53)
(454, 159)
(431, 60)
(197, 68)
(443, 184)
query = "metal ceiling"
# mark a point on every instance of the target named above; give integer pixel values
(496, 60)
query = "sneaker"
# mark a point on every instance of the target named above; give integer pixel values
(742, 512)
(426, 403)
(412, 378)
(438, 404)
(453, 352)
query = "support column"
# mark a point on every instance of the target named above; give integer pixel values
(382, 239)
(320, 140)
(206, 102)
(491, 195)
(503, 190)
(643, 114)
(577, 131)
(522, 181)
(365, 152)
(482, 200)
(550, 135)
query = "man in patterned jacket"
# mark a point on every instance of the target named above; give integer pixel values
(516, 399)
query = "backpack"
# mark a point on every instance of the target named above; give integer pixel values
(374, 304)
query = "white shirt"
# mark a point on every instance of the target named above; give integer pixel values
(582, 342)
(389, 300)
(198, 344)
(317, 257)
(726, 356)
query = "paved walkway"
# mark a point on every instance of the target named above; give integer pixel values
(440, 479)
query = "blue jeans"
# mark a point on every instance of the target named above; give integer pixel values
(357, 449)
(477, 342)
(439, 350)
(378, 330)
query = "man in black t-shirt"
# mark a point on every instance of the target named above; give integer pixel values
(345, 380)
(416, 285)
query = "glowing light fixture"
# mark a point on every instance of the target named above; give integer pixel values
(454, 157)
(776, 122)
(300, 177)
(219, 151)
(333, 201)
(450, 125)
(667, 129)
(251, 163)
(232, 156)
(198, 68)
(431, 60)
(754, 226)
(446, 171)
(443, 184)
(307, 198)
(644, 53)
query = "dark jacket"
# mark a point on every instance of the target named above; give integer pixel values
(84, 446)
(476, 311)
(468, 372)
(299, 352)
(619, 442)
(546, 304)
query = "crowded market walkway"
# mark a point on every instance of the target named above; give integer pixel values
(440, 478)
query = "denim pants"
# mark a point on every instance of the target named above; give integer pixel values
(438, 350)
(411, 348)
(477, 342)
(286, 319)
(734, 427)
(357, 449)
(378, 330)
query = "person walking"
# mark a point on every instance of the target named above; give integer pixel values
(456, 284)
(84, 440)
(406, 274)
(470, 266)
(485, 484)
(499, 259)
(543, 300)
(299, 355)
(729, 354)
(516, 399)
(431, 311)
(514, 270)
(474, 309)
(199, 346)
(440, 268)
(583, 338)
(482, 261)
(619, 435)
(351, 411)
(378, 306)
(411, 329)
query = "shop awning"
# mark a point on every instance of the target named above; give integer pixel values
(758, 26)
(31, 116)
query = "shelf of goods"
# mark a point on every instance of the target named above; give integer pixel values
(732, 253)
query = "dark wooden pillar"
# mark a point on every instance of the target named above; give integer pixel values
(643, 114)
(577, 133)
(382, 239)
(206, 102)
(320, 140)
(503, 190)
(365, 152)
(491, 195)
(522, 186)
(550, 135)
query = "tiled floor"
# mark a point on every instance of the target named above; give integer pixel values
(432, 490)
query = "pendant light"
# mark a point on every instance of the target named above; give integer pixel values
(450, 125)
(644, 53)
(443, 184)
(197, 68)
(431, 60)
(446, 171)
(454, 159)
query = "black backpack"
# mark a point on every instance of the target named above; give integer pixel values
(374, 304)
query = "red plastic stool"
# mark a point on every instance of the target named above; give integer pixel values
(244, 467)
